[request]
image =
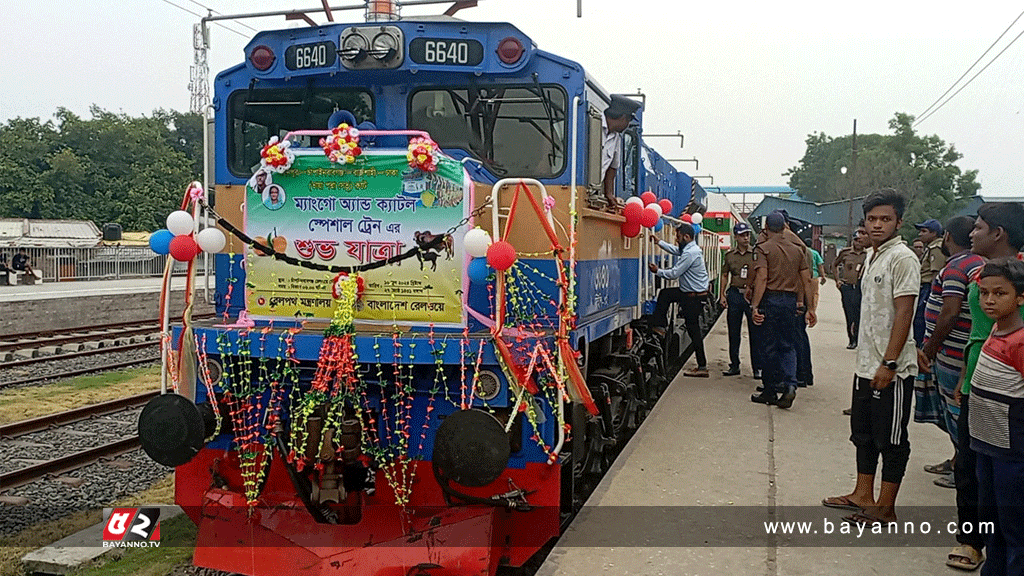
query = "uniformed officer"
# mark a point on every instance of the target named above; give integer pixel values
(846, 270)
(932, 262)
(737, 274)
(781, 278)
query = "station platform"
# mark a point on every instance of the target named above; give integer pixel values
(688, 495)
(50, 290)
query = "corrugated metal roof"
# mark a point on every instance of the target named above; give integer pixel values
(818, 214)
(19, 232)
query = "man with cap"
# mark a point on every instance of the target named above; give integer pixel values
(846, 270)
(780, 276)
(932, 262)
(737, 275)
(690, 294)
(614, 122)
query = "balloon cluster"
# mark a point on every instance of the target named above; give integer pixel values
(487, 256)
(178, 240)
(277, 156)
(694, 219)
(644, 211)
(337, 286)
(422, 154)
(342, 146)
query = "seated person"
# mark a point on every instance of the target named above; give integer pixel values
(21, 263)
(5, 270)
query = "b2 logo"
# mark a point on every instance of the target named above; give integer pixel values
(131, 524)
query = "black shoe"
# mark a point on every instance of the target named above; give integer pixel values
(851, 346)
(759, 389)
(787, 398)
(731, 372)
(800, 384)
(764, 398)
(757, 374)
(847, 412)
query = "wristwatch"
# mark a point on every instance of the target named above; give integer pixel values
(890, 364)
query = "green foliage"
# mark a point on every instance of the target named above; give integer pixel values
(110, 168)
(920, 167)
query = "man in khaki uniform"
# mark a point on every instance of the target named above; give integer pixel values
(781, 275)
(932, 262)
(846, 270)
(737, 275)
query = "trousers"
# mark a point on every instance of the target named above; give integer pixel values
(850, 294)
(738, 308)
(780, 341)
(878, 426)
(692, 308)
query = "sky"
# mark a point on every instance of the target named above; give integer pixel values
(744, 82)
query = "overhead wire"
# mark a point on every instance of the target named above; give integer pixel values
(929, 110)
(211, 10)
(201, 16)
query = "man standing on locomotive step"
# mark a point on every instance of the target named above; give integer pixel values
(886, 364)
(780, 274)
(737, 275)
(690, 294)
(614, 122)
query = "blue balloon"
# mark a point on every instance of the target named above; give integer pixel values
(160, 241)
(339, 117)
(696, 229)
(659, 225)
(478, 270)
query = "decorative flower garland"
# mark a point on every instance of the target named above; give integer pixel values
(423, 154)
(277, 156)
(342, 146)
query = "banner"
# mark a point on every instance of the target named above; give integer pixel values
(352, 214)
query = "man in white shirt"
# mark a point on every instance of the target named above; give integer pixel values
(616, 119)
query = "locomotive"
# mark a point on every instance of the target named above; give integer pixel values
(430, 339)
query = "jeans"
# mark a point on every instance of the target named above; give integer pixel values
(1001, 501)
(922, 302)
(966, 478)
(738, 308)
(779, 330)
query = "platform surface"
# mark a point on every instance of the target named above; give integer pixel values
(51, 290)
(689, 493)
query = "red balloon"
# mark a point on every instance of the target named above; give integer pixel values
(648, 197)
(633, 212)
(630, 229)
(687, 218)
(501, 255)
(650, 217)
(666, 205)
(184, 248)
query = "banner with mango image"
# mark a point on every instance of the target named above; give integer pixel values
(351, 214)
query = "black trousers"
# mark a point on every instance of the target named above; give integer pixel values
(738, 308)
(878, 426)
(850, 294)
(922, 303)
(780, 342)
(692, 308)
(966, 478)
(804, 370)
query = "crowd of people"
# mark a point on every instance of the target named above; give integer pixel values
(938, 331)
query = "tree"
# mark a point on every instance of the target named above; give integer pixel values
(920, 167)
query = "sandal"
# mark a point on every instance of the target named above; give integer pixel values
(945, 481)
(943, 468)
(965, 558)
(841, 502)
(697, 373)
(863, 518)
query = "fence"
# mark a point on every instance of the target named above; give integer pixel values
(100, 263)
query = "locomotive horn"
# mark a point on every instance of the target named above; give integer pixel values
(172, 429)
(471, 448)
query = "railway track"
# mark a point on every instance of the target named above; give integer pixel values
(14, 433)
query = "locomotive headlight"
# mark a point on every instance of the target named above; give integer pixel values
(384, 46)
(487, 385)
(216, 370)
(353, 47)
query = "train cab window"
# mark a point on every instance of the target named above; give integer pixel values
(513, 131)
(256, 115)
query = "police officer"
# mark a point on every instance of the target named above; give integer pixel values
(781, 280)
(846, 271)
(932, 262)
(737, 275)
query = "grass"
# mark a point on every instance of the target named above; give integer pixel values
(33, 537)
(34, 401)
(177, 537)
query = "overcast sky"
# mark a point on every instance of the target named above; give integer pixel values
(745, 82)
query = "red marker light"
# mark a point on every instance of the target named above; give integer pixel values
(262, 58)
(510, 50)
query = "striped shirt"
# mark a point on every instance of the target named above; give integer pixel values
(996, 417)
(952, 281)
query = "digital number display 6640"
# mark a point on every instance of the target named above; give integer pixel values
(446, 52)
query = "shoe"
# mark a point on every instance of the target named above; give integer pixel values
(764, 398)
(800, 384)
(757, 374)
(698, 372)
(945, 481)
(787, 398)
(942, 468)
(759, 389)
(731, 372)
(847, 412)
(851, 346)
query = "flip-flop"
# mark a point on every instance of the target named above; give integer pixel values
(943, 468)
(974, 558)
(946, 481)
(841, 502)
(862, 518)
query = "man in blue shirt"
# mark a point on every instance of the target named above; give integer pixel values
(690, 294)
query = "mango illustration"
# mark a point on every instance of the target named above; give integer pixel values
(280, 244)
(260, 240)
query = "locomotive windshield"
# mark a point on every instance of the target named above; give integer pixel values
(514, 131)
(256, 115)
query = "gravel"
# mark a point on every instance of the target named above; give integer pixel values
(58, 368)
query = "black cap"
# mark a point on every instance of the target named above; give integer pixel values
(622, 106)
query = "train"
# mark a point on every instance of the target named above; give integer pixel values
(431, 335)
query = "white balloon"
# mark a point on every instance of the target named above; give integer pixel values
(211, 240)
(635, 200)
(656, 207)
(477, 242)
(697, 218)
(180, 223)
